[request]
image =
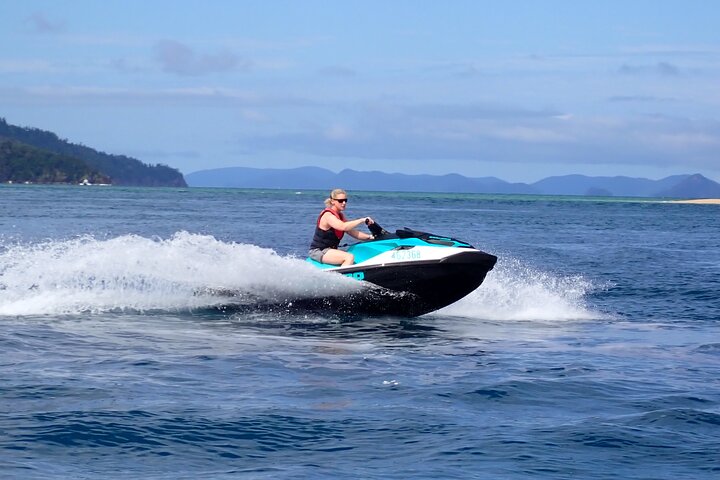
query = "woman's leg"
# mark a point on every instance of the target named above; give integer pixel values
(338, 257)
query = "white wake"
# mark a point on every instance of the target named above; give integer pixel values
(134, 273)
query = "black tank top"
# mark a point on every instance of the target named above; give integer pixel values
(326, 238)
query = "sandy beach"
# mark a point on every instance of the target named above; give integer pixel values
(713, 201)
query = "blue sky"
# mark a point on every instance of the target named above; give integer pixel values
(516, 89)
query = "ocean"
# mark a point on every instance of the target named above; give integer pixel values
(592, 350)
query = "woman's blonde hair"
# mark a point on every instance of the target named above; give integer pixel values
(333, 194)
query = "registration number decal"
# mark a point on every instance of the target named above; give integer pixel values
(406, 255)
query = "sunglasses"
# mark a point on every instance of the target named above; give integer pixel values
(340, 200)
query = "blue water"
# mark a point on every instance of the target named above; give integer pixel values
(591, 351)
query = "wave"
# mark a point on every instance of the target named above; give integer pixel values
(135, 273)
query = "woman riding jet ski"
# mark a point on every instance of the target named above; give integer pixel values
(330, 228)
(416, 272)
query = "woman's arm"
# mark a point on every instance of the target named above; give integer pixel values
(360, 235)
(330, 220)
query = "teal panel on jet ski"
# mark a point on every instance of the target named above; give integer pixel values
(367, 250)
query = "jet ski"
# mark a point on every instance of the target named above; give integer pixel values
(410, 273)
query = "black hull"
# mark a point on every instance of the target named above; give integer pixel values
(401, 290)
(427, 286)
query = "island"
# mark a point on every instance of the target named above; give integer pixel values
(31, 155)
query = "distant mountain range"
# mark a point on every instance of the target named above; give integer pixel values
(315, 178)
(37, 156)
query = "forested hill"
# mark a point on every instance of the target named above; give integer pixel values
(120, 169)
(21, 163)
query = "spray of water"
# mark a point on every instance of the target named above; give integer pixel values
(133, 273)
(188, 271)
(514, 291)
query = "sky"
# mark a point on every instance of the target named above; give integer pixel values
(519, 90)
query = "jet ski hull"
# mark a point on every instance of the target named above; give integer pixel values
(427, 285)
